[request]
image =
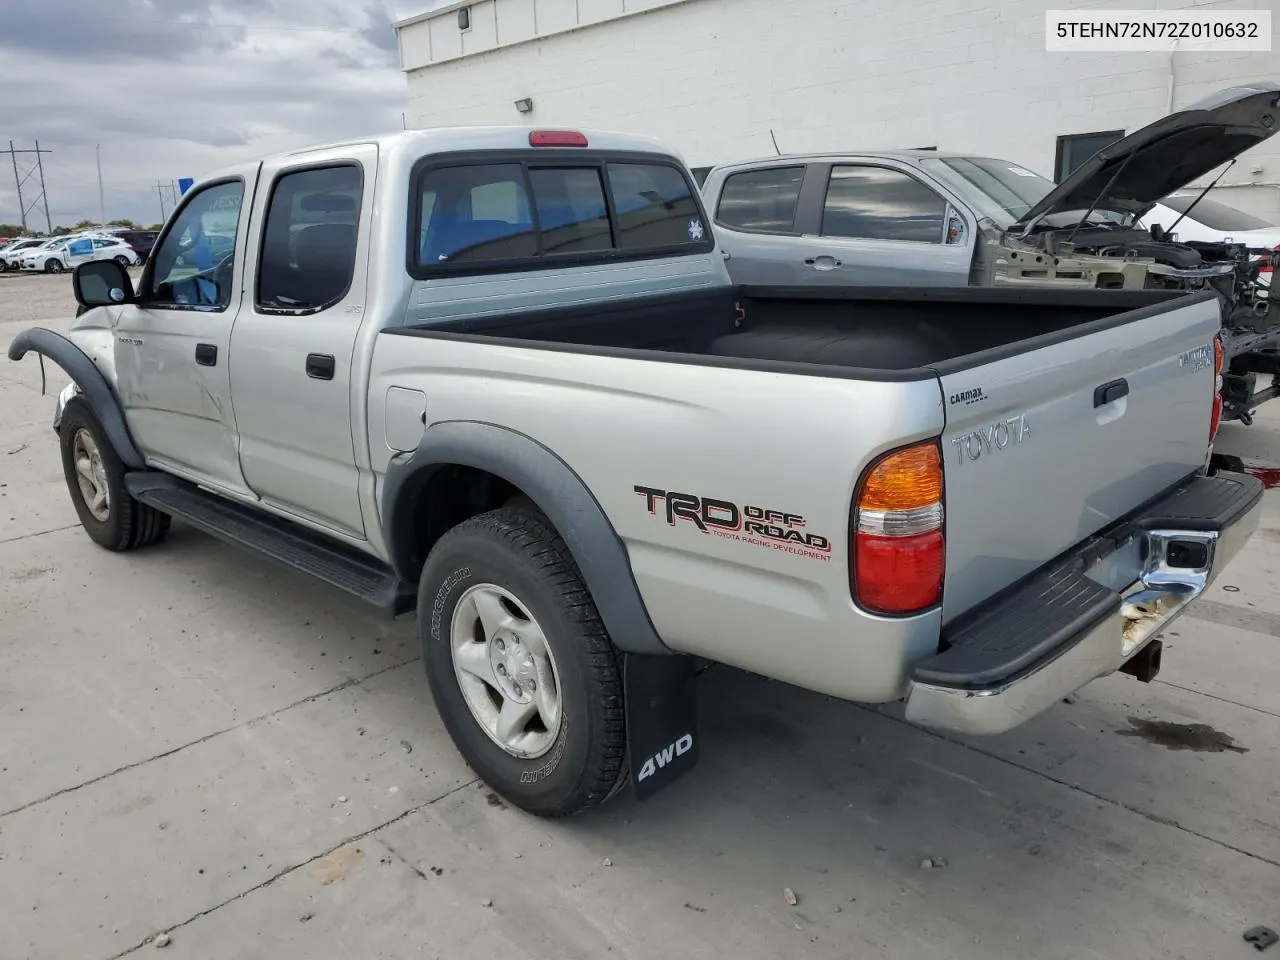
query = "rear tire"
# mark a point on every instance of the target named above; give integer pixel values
(570, 754)
(123, 261)
(95, 480)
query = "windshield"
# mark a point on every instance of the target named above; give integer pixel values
(1214, 215)
(1010, 188)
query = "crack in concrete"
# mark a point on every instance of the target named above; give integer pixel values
(1214, 696)
(1145, 814)
(39, 533)
(298, 866)
(345, 684)
(1250, 619)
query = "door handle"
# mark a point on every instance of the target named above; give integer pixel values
(320, 366)
(1110, 391)
(822, 263)
(207, 354)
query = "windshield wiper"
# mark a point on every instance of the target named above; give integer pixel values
(1193, 203)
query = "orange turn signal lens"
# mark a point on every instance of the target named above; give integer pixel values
(898, 549)
(904, 480)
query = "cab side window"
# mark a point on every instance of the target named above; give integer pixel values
(194, 264)
(309, 239)
(877, 203)
(763, 200)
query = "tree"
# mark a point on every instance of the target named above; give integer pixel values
(84, 225)
(156, 226)
(124, 223)
(11, 230)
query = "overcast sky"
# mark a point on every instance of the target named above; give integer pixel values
(174, 88)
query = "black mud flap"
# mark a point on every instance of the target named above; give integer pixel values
(662, 735)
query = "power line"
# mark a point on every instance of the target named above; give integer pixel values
(160, 187)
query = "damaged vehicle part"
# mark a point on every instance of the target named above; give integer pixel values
(1097, 211)
(818, 220)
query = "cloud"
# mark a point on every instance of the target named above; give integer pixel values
(174, 88)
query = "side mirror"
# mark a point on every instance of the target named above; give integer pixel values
(101, 283)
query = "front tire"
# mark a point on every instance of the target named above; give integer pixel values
(95, 479)
(522, 670)
(53, 266)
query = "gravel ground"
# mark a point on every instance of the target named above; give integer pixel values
(200, 745)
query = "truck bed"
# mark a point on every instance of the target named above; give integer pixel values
(871, 332)
(1068, 407)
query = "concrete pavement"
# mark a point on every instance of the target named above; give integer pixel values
(199, 743)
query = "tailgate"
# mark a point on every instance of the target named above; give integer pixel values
(1044, 447)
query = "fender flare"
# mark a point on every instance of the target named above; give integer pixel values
(93, 386)
(556, 490)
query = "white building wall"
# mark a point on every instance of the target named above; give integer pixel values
(713, 77)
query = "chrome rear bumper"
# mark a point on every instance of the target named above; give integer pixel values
(1086, 615)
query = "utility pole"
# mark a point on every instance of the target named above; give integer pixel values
(102, 204)
(160, 187)
(19, 179)
(22, 211)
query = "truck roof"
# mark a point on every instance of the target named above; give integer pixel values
(837, 155)
(417, 143)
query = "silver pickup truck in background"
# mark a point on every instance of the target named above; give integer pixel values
(924, 217)
(501, 376)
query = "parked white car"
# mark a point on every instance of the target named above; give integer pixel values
(11, 256)
(65, 253)
(1212, 221)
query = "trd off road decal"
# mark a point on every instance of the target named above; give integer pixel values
(761, 527)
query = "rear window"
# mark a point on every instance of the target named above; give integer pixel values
(502, 215)
(572, 212)
(476, 213)
(655, 206)
(761, 199)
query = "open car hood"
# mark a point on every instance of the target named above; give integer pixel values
(1166, 155)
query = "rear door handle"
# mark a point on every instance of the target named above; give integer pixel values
(207, 354)
(1110, 391)
(320, 366)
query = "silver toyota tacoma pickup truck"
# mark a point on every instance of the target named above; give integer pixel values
(501, 376)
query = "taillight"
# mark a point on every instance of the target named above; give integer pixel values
(1266, 265)
(557, 138)
(898, 548)
(1219, 361)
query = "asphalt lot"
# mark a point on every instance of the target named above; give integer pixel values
(199, 743)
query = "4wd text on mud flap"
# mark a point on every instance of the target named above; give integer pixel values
(992, 437)
(665, 756)
(757, 525)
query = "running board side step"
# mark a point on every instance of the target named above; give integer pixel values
(283, 541)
